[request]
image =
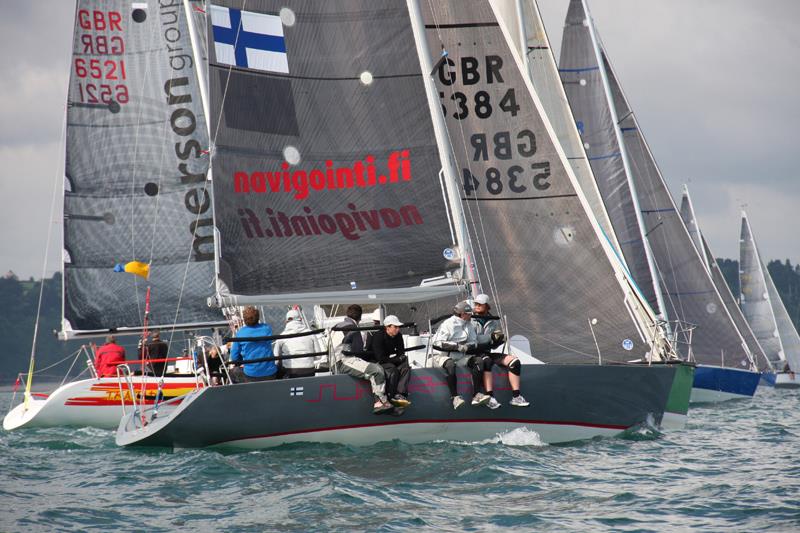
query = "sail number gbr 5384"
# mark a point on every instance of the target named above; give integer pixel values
(496, 162)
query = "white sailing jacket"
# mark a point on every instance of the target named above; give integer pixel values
(456, 330)
(296, 346)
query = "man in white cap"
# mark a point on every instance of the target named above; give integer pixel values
(490, 335)
(303, 366)
(454, 337)
(389, 352)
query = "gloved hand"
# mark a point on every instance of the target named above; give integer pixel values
(498, 336)
(462, 347)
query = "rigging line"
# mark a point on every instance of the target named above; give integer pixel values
(59, 176)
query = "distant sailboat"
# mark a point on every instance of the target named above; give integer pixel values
(654, 241)
(135, 190)
(360, 90)
(762, 306)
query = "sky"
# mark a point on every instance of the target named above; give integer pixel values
(713, 83)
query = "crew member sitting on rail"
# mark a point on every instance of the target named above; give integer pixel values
(490, 335)
(301, 367)
(250, 350)
(454, 337)
(352, 364)
(390, 353)
(107, 357)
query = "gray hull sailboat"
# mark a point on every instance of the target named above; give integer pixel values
(762, 306)
(135, 192)
(653, 240)
(330, 191)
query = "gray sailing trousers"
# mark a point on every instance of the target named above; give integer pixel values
(358, 368)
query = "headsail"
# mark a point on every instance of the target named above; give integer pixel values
(583, 78)
(550, 268)
(762, 306)
(135, 187)
(688, 292)
(693, 226)
(326, 169)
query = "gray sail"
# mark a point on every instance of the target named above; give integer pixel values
(596, 121)
(689, 293)
(543, 73)
(756, 298)
(326, 168)
(693, 227)
(135, 187)
(786, 329)
(549, 267)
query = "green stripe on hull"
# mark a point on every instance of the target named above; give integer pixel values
(679, 394)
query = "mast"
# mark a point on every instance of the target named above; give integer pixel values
(440, 131)
(662, 312)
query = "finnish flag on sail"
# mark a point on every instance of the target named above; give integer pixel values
(250, 40)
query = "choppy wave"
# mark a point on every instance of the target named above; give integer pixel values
(733, 468)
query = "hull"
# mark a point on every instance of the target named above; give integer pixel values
(719, 384)
(677, 411)
(92, 402)
(568, 403)
(768, 379)
(787, 380)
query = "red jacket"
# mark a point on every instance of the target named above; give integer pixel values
(107, 357)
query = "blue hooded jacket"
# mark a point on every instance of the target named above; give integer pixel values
(246, 351)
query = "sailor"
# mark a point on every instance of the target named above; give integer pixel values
(350, 363)
(250, 350)
(490, 336)
(389, 350)
(454, 337)
(301, 367)
(107, 357)
(157, 349)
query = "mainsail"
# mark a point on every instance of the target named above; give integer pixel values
(762, 306)
(326, 167)
(688, 292)
(136, 164)
(550, 269)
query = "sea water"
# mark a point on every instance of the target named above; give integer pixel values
(734, 468)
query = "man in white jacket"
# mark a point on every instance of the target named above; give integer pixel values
(454, 337)
(303, 366)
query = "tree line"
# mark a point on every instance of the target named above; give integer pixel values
(19, 300)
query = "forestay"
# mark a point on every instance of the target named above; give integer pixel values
(547, 265)
(135, 186)
(688, 292)
(596, 120)
(325, 166)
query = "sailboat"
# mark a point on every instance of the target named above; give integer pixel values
(653, 240)
(762, 306)
(693, 226)
(135, 192)
(357, 100)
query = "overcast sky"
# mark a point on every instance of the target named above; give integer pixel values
(714, 85)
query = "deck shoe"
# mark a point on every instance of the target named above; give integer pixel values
(519, 401)
(400, 401)
(493, 403)
(381, 407)
(480, 399)
(458, 401)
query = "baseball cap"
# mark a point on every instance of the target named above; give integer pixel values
(482, 299)
(392, 320)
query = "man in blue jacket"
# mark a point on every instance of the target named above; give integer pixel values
(252, 350)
